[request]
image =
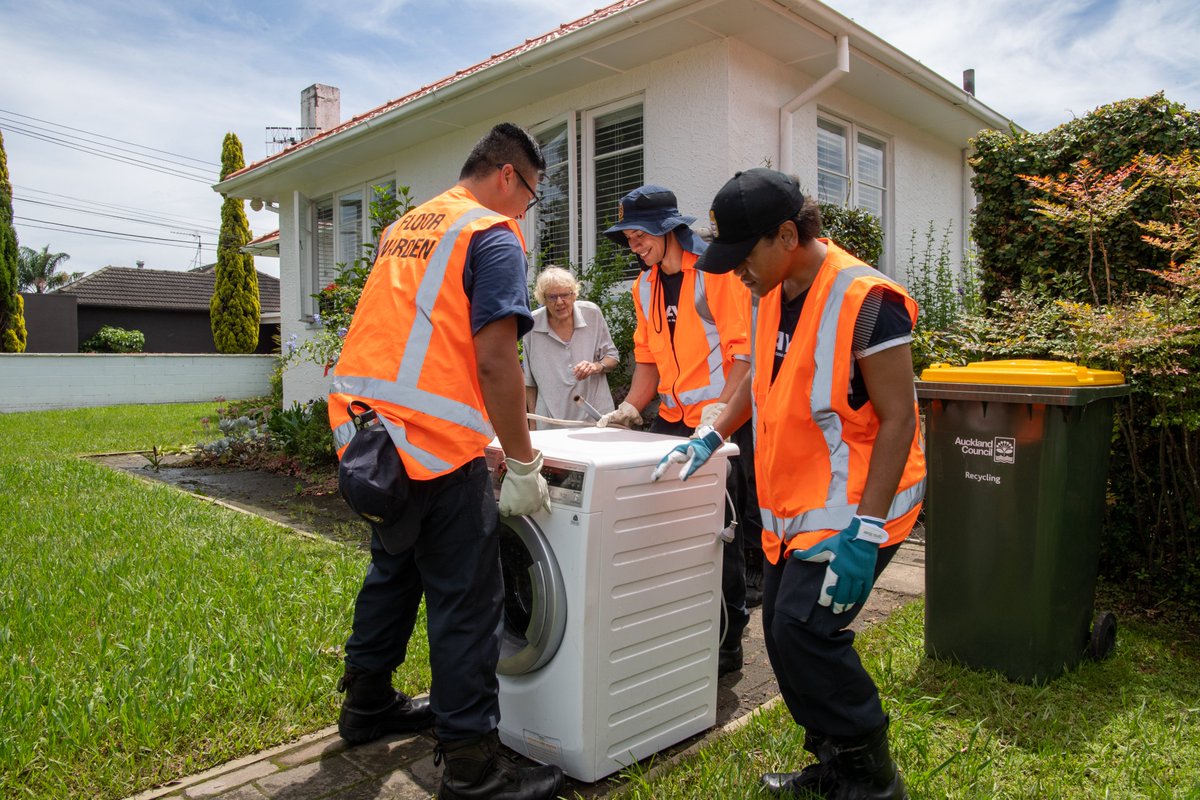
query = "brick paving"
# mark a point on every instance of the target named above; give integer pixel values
(321, 767)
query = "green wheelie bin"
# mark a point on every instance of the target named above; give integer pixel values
(1017, 456)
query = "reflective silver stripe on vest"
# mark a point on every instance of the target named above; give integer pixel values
(837, 511)
(403, 391)
(342, 434)
(716, 374)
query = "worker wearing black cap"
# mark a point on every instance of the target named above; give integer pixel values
(839, 464)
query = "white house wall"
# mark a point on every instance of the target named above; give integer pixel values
(708, 111)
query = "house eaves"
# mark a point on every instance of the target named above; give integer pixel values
(616, 39)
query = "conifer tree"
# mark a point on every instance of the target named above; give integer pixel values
(12, 305)
(234, 310)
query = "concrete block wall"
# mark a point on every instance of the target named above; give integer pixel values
(36, 381)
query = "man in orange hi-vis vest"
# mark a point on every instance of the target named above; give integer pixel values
(839, 463)
(432, 350)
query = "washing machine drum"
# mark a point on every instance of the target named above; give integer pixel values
(535, 604)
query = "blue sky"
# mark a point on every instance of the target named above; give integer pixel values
(177, 76)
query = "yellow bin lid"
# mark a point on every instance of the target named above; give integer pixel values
(1022, 372)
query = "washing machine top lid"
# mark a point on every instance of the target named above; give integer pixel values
(606, 447)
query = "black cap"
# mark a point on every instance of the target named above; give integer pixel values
(749, 205)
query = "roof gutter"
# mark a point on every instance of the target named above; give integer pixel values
(802, 99)
(542, 55)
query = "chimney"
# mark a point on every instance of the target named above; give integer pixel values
(320, 109)
(968, 81)
(140, 264)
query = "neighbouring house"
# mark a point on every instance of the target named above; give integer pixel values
(169, 307)
(676, 92)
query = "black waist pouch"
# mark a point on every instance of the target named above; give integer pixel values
(373, 482)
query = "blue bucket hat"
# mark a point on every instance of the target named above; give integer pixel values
(654, 210)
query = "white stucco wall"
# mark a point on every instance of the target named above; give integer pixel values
(708, 111)
(38, 381)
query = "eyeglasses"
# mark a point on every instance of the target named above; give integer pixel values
(554, 298)
(534, 197)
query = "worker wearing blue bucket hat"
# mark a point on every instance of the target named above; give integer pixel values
(691, 348)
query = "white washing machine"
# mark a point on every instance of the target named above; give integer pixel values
(612, 603)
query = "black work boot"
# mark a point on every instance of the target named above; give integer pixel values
(475, 769)
(865, 769)
(815, 780)
(372, 708)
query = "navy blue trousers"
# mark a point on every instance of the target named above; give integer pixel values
(811, 649)
(455, 562)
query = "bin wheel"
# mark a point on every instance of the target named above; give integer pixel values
(1104, 636)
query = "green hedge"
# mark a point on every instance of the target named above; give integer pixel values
(1017, 243)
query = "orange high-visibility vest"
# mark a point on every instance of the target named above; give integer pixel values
(410, 353)
(812, 449)
(711, 330)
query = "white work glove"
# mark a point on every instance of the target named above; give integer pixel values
(708, 417)
(523, 490)
(625, 415)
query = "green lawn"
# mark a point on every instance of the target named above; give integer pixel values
(1127, 727)
(146, 634)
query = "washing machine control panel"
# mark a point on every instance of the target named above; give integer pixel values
(564, 480)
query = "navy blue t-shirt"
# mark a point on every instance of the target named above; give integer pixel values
(494, 279)
(882, 322)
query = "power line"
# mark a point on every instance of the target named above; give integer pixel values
(161, 222)
(113, 157)
(110, 138)
(185, 221)
(62, 227)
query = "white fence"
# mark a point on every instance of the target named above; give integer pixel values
(34, 381)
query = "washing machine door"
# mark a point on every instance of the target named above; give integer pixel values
(535, 602)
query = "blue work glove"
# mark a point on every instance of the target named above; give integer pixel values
(692, 454)
(851, 553)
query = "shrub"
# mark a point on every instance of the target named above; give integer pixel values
(855, 230)
(1017, 243)
(302, 432)
(110, 339)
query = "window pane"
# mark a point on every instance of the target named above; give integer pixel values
(831, 148)
(323, 233)
(834, 189)
(619, 166)
(870, 161)
(870, 199)
(350, 227)
(553, 214)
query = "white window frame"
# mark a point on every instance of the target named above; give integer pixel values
(308, 305)
(853, 132)
(529, 225)
(587, 159)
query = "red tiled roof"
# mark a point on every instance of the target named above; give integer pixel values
(125, 287)
(529, 44)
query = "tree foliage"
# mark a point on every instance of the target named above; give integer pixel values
(1019, 242)
(1152, 336)
(234, 310)
(38, 270)
(12, 306)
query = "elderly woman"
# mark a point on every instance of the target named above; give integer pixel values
(568, 351)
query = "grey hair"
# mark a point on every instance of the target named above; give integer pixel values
(553, 276)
